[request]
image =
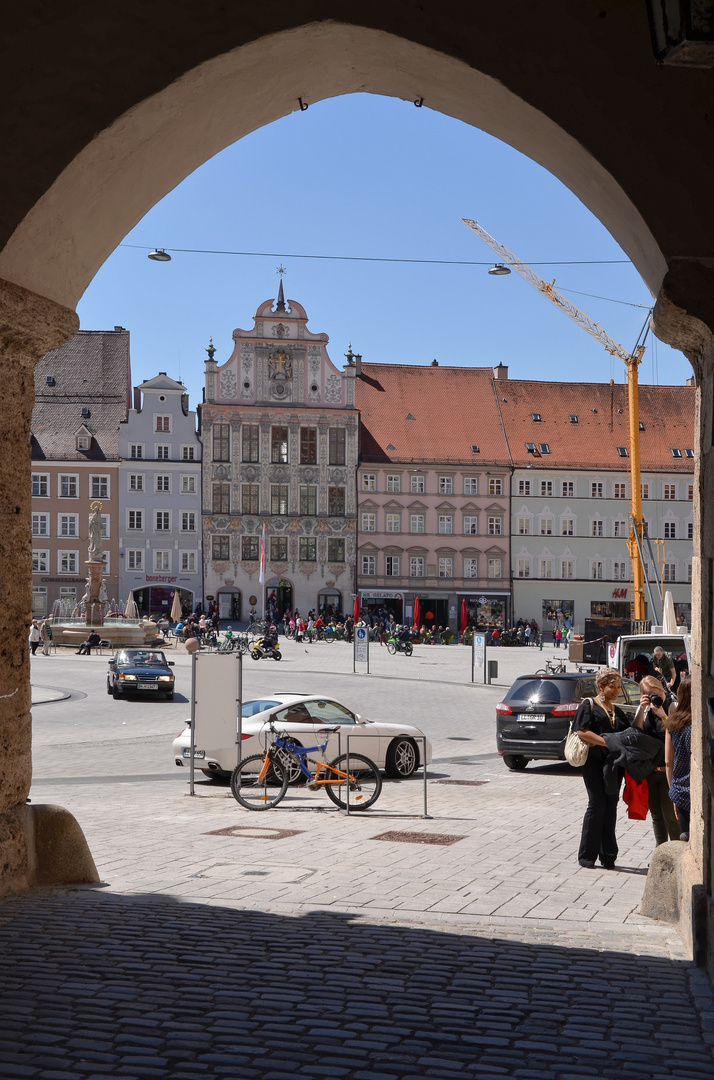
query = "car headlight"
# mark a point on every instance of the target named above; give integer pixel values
(128, 678)
(166, 678)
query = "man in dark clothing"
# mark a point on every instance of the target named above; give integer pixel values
(93, 639)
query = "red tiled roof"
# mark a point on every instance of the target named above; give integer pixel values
(667, 413)
(453, 409)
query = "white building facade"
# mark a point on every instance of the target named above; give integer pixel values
(160, 499)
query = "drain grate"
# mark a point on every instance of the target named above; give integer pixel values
(255, 831)
(463, 783)
(442, 839)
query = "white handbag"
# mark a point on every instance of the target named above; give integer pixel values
(576, 751)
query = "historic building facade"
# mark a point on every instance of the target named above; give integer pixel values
(81, 397)
(280, 436)
(571, 490)
(159, 521)
(434, 494)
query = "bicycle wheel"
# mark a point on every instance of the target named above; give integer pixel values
(255, 794)
(408, 649)
(391, 648)
(541, 671)
(365, 783)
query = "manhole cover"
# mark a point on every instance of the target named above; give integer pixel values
(255, 831)
(463, 783)
(443, 839)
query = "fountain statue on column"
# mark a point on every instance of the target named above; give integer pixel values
(95, 601)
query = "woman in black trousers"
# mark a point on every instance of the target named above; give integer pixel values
(596, 717)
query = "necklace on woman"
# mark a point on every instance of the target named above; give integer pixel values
(610, 712)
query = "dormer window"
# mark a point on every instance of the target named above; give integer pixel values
(622, 451)
(535, 416)
(573, 418)
(84, 442)
(689, 452)
(544, 447)
(475, 449)
(642, 426)
(676, 452)
(531, 447)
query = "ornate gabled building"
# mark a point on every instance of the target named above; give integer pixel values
(280, 438)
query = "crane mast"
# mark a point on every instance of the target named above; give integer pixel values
(632, 361)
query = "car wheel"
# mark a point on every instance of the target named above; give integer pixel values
(515, 762)
(109, 687)
(170, 697)
(115, 693)
(402, 759)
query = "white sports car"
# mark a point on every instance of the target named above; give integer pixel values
(396, 748)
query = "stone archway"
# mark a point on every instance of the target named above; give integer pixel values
(95, 134)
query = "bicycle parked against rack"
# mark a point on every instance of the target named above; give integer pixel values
(235, 643)
(261, 780)
(553, 667)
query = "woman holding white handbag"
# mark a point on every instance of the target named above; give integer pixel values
(596, 717)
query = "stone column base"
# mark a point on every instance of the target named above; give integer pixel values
(56, 851)
(674, 894)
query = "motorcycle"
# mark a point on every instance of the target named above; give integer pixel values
(394, 645)
(266, 649)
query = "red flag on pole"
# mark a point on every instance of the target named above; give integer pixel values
(417, 613)
(355, 609)
(464, 616)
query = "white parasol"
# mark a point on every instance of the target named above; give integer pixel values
(130, 609)
(176, 607)
(669, 619)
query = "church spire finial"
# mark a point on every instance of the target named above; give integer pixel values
(280, 304)
(211, 350)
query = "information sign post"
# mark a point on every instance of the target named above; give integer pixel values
(478, 659)
(361, 647)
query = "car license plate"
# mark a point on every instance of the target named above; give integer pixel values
(186, 752)
(149, 686)
(531, 718)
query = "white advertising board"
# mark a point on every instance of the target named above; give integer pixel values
(215, 704)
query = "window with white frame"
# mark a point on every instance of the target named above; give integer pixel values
(417, 523)
(105, 519)
(136, 451)
(135, 559)
(495, 485)
(524, 487)
(188, 562)
(670, 491)
(446, 524)
(546, 487)
(40, 524)
(162, 561)
(471, 567)
(446, 567)
(619, 527)
(68, 486)
(568, 489)
(416, 566)
(546, 527)
(523, 567)
(596, 490)
(162, 520)
(163, 423)
(369, 481)
(105, 562)
(596, 570)
(670, 572)
(188, 485)
(135, 519)
(136, 481)
(690, 492)
(394, 482)
(392, 563)
(690, 530)
(188, 521)
(619, 571)
(369, 565)
(68, 562)
(567, 526)
(446, 485)
(163, 452)
(416, 484)
(545, 567)
(369, 522)
(495, 526)
(470, 525)
(394, 523)
(39, 601)
(68, 524)
(620, 491)
(187, 453)
(470, 485)
(40, 561)
(597, 527)
(523, 526)
(645, 491)
(163, 482)
(84, 441)
(40, 485)
(670, 530)
(495, 568)
(99, 487)
(567, 569)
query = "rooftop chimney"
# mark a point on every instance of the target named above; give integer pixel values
(500, 372)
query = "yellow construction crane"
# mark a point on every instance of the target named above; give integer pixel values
(631, 360)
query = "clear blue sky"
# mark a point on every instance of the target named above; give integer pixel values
(374, 177)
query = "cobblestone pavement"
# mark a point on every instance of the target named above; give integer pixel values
(303, 943)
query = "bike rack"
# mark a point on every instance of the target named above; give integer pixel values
(416, 738)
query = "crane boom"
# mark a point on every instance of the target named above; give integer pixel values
(632, 360)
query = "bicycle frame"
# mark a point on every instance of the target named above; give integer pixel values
(299, 753)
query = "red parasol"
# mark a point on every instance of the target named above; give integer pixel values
(417, 613)
(463, 622)
(355, 609)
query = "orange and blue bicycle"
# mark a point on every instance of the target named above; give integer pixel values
(260, 781)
